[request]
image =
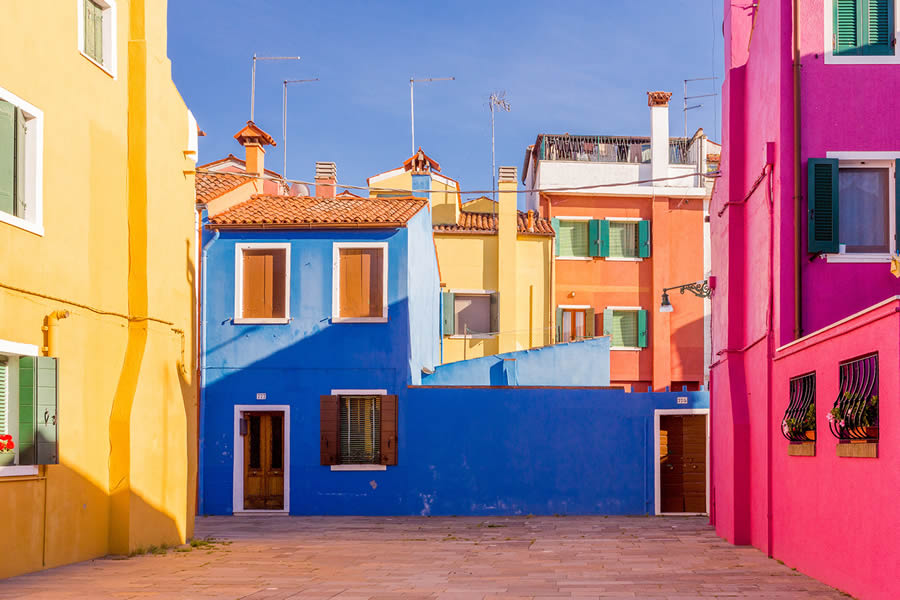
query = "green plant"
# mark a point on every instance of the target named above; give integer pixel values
(852, 411)
(802, 424)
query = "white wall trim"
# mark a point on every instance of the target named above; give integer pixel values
(385, 175)
(7, 347)
(831, 59)
(574, 257)
(656, 457)
(237, 498)
(574, 306)
(562, 218)
(110, 35)
(364, 467)
(625, 348)
(624, 219)
(624, 258)
(239, 282)
(624, 308)
(336, 283)
(34, 167)
(359, 392)
(465, 292)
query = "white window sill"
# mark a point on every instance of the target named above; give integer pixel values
(100, 65)
(574, 258)
(250, 512)
(472, 336)
(22, 223)
(359, 320)
(251, 321)
(624, 258)
(359, 467)
(858, 258)
(887, 59)
(626, 348)
(18, 471)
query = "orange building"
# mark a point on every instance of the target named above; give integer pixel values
(621, 242)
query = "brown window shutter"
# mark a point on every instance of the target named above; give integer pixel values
(329, 429)
(264, 275)
(279, 270)
(351, 276)
(375, 281)
(362, 282)
(254, 284)
(389, 430)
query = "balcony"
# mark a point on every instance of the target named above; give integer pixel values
(608, 149)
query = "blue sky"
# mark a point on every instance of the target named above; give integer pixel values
(577, 67)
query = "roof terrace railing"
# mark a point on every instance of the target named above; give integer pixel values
(609, 149)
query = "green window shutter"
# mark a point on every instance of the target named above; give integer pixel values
(88, 8)
(98, 33)
(20, 164)
(644, 239)
(559, 320)
(7, 157)
(822, 205)
(449, 313)
(573, 238)
(846, 26)
(643, 338)
(897, 206)
(625, 328)
(589, 323)
(27, 396)
(46, 411)
(594, 237)
(608, 322)
(878, 27)
(495, 312)
(604, 237)
(555, 224)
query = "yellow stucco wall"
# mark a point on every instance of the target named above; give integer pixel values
(118, 238)
(444, 194)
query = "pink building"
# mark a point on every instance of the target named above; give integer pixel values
(806, 330)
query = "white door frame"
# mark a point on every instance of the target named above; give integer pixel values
(237, 498)
(656, 480)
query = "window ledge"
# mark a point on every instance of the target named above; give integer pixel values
(883, 59)
(359, 320)
(574, 258)
(18, 471)
(626, 348)
(22, 223)
(100, 65)
(858, 258)
(473, 336)
(251, 321)
(624, 258)
(359, 467)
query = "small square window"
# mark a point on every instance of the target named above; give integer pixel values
(864, 207)
(573, 238)
(21, 127)
(360, 427)
(574, 324)
(623, 239)
(263, 283)
(360, 283)
(97, 32)
(624, 329)
(473, 313)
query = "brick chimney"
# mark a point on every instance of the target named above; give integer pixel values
(326, 179)
(659, 134)
(252, 138)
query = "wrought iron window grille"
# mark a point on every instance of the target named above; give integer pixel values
(854, 416)
(799, 422)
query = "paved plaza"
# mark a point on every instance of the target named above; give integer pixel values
(439, 557)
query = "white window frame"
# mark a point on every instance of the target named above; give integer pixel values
(625, 348)
(34, 167)
(239, 319)
(471, 336)
(657, 484)
(828, 39)
(336, 283)
(875, 160)
(364, 466)
(625, 258)
(588, 257)
(110, 28)
(12, 351)
(237, 475)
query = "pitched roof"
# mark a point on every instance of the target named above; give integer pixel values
(210, 186)
(421, 163)
(486, 224)
(251, 133)
(305, 211)
(240, 163)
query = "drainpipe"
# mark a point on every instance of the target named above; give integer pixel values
(50, 328)
(798, 296)
(201, 382)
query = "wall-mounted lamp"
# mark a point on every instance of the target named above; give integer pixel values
(701, 289)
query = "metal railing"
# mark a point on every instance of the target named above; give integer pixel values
(609, 149)
(855, 412)
(799, 422)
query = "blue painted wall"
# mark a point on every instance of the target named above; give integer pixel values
(583, 363)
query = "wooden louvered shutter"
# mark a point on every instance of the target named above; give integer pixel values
(644, 239)
(559, 322)
(589, 323)
(846, 26)
(822, 205)
(38, 404)
(594, 238)
(20, 164)
(643, 337)
(604, 238)
(329, 430)
(555, 224)
(495, 313)
(389, 420)
(878, 27)
(7, 157)
(608, 322)
(448, 312)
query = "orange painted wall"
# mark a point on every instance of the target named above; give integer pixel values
(675, 350)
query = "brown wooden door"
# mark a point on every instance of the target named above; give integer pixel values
(682, 456)
(264, 461)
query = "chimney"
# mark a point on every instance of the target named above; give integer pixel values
(530, 222)
(659, 134)
(252, 138)
(507, 234)
(326, 179)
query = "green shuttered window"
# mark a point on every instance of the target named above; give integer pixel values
(93, 30)
(602, 237)
(863, 27)
(822, 205)
(623, 239)
(627, 328)
(13, 132)
(38, 402)
(573, 237)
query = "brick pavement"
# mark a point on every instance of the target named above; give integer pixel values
(277, 558)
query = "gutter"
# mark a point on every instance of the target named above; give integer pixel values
(798, 290)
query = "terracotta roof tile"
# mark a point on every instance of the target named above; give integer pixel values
(304, 211)
(210, 186)
(483, 223)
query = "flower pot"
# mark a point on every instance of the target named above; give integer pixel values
(811, 435)
(863, 433)
(7, 458)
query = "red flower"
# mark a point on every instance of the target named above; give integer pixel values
(5, 437)
(10, 445)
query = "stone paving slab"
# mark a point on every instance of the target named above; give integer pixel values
(446, 558)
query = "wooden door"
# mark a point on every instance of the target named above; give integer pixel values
(264, 461)
(682, 456)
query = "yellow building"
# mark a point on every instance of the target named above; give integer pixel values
(98, 246)
(495, 262)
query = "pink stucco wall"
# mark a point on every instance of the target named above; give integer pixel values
(755, 499)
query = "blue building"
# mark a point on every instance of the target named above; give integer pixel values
(318, 313)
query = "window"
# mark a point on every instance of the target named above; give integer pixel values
(854, 416)
(623, 239)
(799, 422)
(262, 281)
(863, 27)
(358, 429)
(626, 327)
(852, 208)
(97, 33)
(28, 408)
(613, 239)
(360, 283)
(574, 323)
(572, 237)
(21, 163)
(471, 313)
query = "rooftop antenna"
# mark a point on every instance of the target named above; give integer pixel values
(285, 84)
(686, 98)
(499, 100)
(253, 77)
(412, 113)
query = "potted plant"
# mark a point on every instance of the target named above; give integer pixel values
(860, 420)
(804, 426)
(7, 451)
